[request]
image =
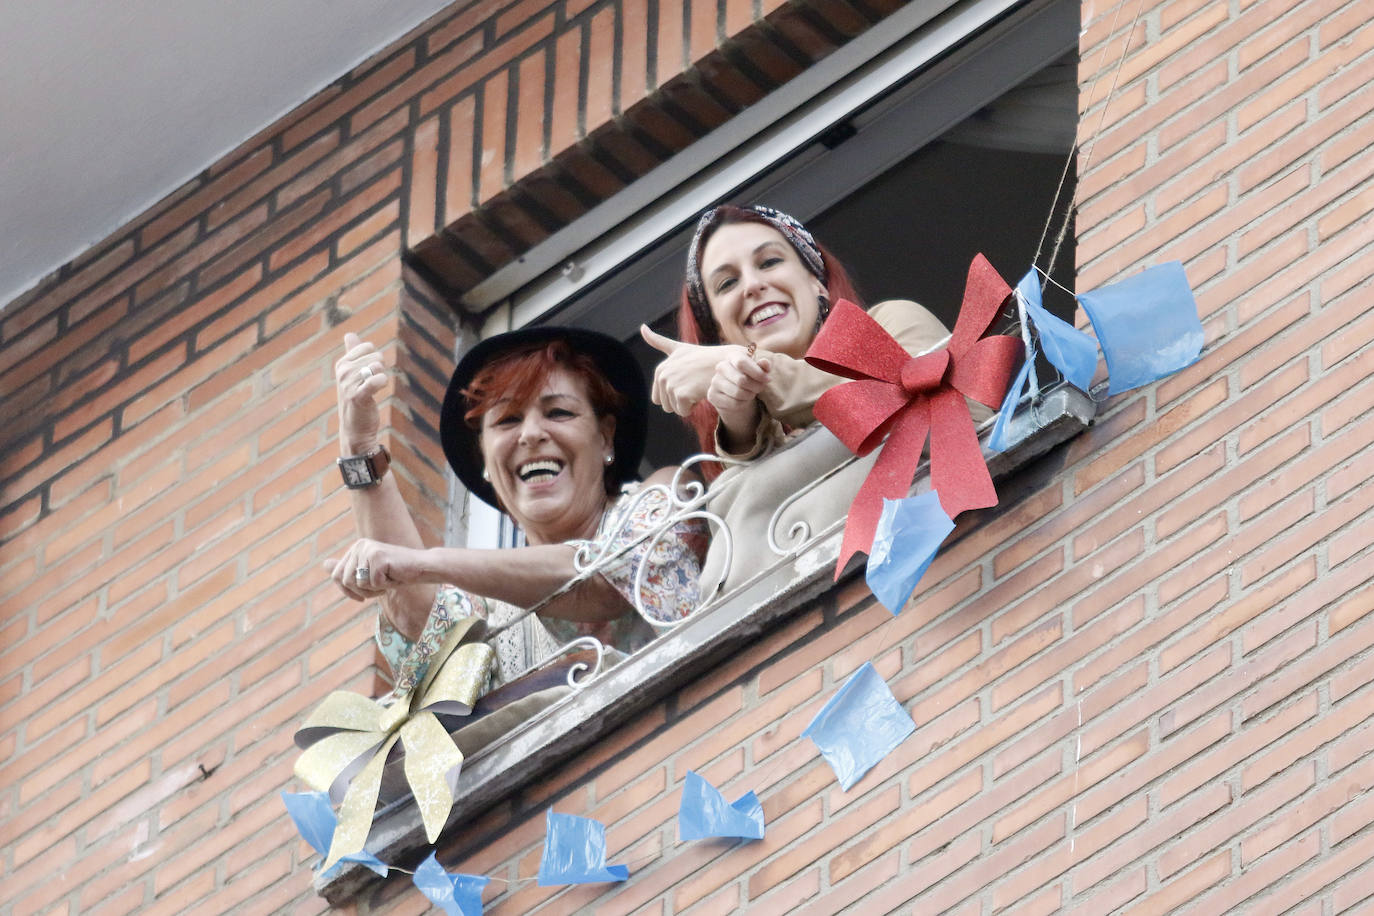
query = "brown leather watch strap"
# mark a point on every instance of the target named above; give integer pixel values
(379, 459)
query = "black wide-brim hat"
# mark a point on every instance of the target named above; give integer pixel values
(612, 357)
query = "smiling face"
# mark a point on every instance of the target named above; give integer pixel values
(547, 458)
(759, 289)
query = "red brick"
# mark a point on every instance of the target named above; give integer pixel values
(316, 232)
(492, 175)
(800, 660)
(787, 830)
(531, 149)
(927, 811)
(993, 733)
(1297, 147)
(1308, 810)
(601, 104)
(702, 29)
(1304, 536)
(634, 56)
(989, 866)
(447, 88)
(837, 831)
(335, 108)
(1085, 773)
(1180, 41)
(671, 57)
(805, 690)
(565, 114)
(789, 896)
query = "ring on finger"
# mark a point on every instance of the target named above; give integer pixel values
(365, 372)
(360, 575)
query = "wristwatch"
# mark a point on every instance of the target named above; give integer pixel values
(366, 470)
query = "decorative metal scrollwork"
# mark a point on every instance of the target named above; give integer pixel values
(582, 642)
(679, 501)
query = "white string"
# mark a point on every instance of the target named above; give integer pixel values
(1050, 279)
(1092, 141)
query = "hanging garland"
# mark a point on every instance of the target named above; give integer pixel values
(1147, 328)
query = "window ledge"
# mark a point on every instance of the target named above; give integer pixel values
(612, 698)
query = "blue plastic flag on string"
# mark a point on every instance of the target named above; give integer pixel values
(315, 821)
(575, 852)
(1147, 325)
(998, 440)
(860, 725)
(909, 535)
(1068, 349)
(456, 895)
(704, 812)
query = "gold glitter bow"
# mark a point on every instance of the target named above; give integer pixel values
(347, 739)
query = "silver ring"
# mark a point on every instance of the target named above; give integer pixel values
(360, 575)
(365, 372)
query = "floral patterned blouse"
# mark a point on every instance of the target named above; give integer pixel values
(669, 593)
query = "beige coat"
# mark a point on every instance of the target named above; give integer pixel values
(790, 451)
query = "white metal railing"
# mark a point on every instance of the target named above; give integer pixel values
(686, 498)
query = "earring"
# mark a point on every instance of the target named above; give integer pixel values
(486, 475)
(609, 459)
(822, 312)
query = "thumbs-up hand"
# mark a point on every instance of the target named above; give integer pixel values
(359, 375)
(664, 345)
(734, 391)
(681, 380)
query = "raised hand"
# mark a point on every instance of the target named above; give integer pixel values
(683, 378)
(359, 375)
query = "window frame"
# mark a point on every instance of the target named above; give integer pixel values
(936, 47)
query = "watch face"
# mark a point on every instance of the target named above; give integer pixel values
(355, 472)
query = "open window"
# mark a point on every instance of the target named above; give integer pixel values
(964, 153)
(951, 140)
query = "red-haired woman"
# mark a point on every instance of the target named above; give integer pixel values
(757, 289)
(547, 424)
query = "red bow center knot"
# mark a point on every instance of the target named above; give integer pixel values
(907, 398)
(925, 374)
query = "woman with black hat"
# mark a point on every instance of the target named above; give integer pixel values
(547, 424)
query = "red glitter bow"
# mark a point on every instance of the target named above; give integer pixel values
(906, 397)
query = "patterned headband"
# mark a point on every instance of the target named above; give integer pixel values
(796, 234)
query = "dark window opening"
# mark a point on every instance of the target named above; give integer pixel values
(987, 185)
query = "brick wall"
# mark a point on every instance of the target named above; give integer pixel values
(1142, 681)
(167, 489)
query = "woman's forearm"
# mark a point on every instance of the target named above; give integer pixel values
(524, 576)
(739, 430)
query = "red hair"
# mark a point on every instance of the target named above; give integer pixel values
(519, 375)
(839, 285)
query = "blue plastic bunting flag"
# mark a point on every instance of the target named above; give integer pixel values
(316, 821)
(575, 852)
(909, 535)
(998, 440)
(456, 895)
(1147, 325)
(1068, 349)
(859, 726)
(704, 812)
